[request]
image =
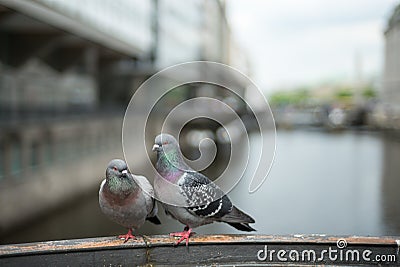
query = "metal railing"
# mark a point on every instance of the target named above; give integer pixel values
(208, 250)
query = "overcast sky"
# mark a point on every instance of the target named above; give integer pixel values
(292, 43)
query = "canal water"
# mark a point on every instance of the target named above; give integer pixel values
(344, 183)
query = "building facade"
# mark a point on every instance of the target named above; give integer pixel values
(391, 79)
(68, 70)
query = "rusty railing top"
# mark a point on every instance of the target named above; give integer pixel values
(206, 249)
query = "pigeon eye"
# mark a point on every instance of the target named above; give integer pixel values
(115, 168)
(165, 143)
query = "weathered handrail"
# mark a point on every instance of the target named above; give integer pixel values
(206, 249)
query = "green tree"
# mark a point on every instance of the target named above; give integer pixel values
(369, 92)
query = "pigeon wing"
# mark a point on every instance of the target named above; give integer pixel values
(201, 193)
(148, 192)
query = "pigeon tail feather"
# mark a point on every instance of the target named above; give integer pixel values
(243, 227)
(237, 216)
(154, 220)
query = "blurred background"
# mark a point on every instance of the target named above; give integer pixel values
(330, 70)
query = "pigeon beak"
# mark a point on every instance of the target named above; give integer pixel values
(156, 147)
(124, 172)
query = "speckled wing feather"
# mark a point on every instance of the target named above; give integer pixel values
(201, 193)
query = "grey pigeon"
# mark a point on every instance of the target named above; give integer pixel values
(123, 200)
(186, 201)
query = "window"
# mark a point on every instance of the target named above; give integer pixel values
(35, 155)
(2, 161)
(16, 161)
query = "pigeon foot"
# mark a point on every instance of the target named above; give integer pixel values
(185, 235)
(127, 236)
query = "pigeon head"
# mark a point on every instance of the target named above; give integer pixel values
(117, 168)
(169, 156)
(165, 142)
